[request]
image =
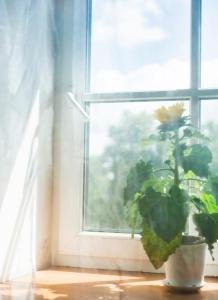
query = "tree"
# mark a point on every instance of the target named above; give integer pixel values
(108, 171)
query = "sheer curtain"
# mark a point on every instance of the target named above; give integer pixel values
(26, 112)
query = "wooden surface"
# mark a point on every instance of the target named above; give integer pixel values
(81, 284)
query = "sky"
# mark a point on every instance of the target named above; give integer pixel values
(145, 45)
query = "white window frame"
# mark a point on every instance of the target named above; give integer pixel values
(73, 246)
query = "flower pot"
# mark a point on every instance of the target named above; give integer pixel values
(185, 268)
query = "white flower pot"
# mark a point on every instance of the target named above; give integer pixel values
(185, 268)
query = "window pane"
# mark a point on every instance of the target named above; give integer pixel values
(140, 45)
(209, 126)
(117, 132)
(209, 73)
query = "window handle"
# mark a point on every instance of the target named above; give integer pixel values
(72, 98)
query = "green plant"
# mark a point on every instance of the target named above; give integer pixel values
(159, 201)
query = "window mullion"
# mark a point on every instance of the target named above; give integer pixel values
(88, 44)
(81, 46)
(195, 60)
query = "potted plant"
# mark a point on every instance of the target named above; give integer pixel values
(159, 201)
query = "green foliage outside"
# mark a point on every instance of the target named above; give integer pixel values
(108, 171)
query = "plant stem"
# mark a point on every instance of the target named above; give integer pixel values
(176, 169)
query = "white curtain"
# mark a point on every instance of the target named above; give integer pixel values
(26, 77)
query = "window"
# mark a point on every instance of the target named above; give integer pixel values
(142, 45)
(86, 236)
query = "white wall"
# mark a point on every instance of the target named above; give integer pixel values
(26, 114)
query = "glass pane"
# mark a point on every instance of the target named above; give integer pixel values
(117, 132)
(209, 126)
(140, 45)
(209, 72)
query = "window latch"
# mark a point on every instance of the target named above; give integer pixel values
(72, 98)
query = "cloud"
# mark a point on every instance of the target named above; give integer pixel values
(168, 76)
(125, 22)
(151, 6)
(210, 73)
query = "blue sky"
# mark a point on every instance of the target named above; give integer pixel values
(128, 35)
(145, 44)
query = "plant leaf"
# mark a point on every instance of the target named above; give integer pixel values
(158, 250)
(214, 186)
(188, 132)
(137, 175)
(166, 215)
(132, 214)
(198, 204)
(196, 159)
(207, 226)
(209, 202)
(206, 203)
(159, 185)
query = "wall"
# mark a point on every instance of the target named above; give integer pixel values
(26, 116)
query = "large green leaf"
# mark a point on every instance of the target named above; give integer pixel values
(196, 159)
(207, 226)
(165, 214)
(198, 204)
(158, 250)
(133, 217)
(206, 203)
(214, 186)
(209, 202)
(159, 185)
(137, 175)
